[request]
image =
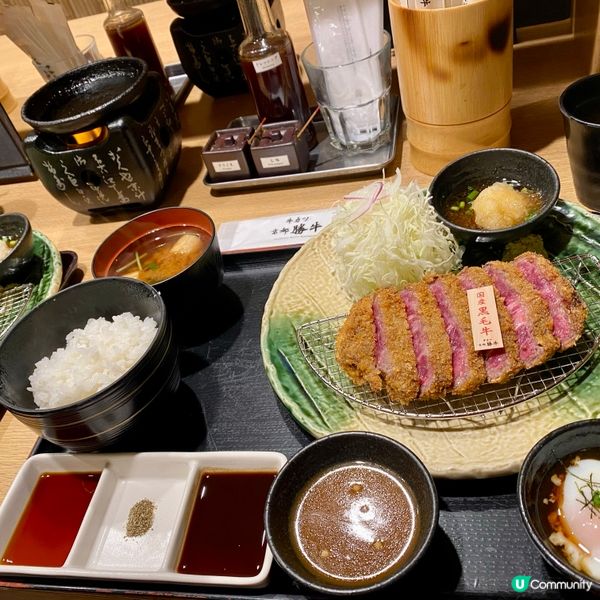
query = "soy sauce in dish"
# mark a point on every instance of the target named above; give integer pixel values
(353, 524)
(225, 535)
(51, 519)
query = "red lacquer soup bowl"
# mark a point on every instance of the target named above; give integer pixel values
(174, 249)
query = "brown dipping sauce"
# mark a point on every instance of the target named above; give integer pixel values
(49, 524)
(353, 524)
(226, 535)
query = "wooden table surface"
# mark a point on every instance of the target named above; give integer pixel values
(540, 76)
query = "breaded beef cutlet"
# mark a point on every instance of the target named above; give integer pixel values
(468, 367)
(529, 313)
(430, 341)
(355, 345)
(394, 353)
(567, 310)
(500, 363)
(416, 343)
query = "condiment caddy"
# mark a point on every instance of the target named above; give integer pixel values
(324, 161)
(140, 518)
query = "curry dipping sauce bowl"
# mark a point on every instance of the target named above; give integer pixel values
(542, 462)
(201, 278)
(367, 459)
(485, 167)
(107, 415)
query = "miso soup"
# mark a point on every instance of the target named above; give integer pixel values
(161, 254)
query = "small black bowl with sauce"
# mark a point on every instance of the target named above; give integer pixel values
(549, 458)
(460, 181)
(17, 240)
(351, 513)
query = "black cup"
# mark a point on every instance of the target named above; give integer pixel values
(207, 40)
(580, 106)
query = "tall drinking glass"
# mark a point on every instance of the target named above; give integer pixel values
(354, 97)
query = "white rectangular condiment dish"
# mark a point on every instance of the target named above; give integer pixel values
(101, 549)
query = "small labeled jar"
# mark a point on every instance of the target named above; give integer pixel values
(279, 149)
(227, 155)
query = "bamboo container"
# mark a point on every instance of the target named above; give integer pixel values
(455, 75)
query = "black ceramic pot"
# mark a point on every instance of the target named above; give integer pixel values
(106, 136)
(207, 41)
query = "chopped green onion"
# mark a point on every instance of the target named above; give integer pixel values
(596, 499)
(130, 263)
(454, 208)
(138, 261)
(152, 266)
(472, 195)
(461, 204)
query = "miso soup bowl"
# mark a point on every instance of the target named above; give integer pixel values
(106, 416)
(538, 466)
(486, 167)
(183, 289)
(329, 453)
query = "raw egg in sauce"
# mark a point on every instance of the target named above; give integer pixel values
(574, 513)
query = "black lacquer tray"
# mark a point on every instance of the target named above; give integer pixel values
(226, 403)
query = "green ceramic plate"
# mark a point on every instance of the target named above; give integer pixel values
(483, 446)
(46, 274)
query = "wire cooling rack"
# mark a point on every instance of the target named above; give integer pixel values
(317, 343)
(13, 302)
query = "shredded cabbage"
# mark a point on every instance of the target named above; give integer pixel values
(388, 235)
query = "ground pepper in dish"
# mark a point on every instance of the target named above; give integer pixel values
(140, 519)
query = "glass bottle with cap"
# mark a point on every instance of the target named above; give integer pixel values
(129, 35)
(269, 64)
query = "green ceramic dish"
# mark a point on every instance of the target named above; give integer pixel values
(307, 289)
(46, 274)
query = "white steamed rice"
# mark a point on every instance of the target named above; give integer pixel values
(93, 358)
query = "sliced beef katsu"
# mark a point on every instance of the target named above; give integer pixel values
(468, 368)
(500, 363)
(529, 313)
(567, 310)
(430, 340)
(394, 353)
(355, 345)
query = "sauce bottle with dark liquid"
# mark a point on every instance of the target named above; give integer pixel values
(129, 35)
(269, 64)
